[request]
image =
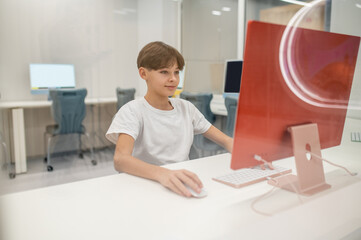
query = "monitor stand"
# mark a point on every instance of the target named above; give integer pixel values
(310, 177)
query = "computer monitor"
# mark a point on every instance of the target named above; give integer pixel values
(232, 77)
(51, 76)
(305, 79)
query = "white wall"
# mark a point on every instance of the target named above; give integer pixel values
(346, 19)
(157, 20)
(207, 41)
(102, 38)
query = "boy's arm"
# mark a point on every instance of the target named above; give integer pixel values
(172, 179)
(227, 142)
(220, 138)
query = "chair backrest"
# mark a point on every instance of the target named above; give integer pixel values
(124, 95)
(202, 101)
(231, 105)
(68, 110)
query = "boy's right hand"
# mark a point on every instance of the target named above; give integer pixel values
(176, 180)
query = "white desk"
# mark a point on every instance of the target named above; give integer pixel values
(127, 207)
(45, 103)
(17, 111)
(218, 106)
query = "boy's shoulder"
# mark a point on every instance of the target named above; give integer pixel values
(179, 100)
(184, 104)
(133, 105)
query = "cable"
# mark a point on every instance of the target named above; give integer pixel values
(260, 159)
(333, 164)
(258, 199)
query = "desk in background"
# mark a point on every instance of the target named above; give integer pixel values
(18, 143)
(218, 106)
(122, 206)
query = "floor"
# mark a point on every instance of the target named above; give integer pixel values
(68, 168)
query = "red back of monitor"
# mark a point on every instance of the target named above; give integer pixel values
(324, 63)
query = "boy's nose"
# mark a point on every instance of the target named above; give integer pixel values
(173, 77)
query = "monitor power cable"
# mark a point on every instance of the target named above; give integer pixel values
(333, 164)
(260, 159)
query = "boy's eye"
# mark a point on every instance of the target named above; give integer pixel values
(176, 72)
(164, 72)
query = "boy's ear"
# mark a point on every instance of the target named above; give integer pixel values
(143, 73)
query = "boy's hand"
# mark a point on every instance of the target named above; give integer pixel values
(176, 180)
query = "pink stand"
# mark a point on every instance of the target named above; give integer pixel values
(310, 177)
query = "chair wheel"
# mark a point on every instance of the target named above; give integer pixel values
(50, 168)
(12, 175)
(94, 162)
(81, 155)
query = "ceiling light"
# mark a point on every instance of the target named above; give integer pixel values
(217, 13)
(226, 9)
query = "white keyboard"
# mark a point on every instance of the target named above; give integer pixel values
(356, 137)
(247, 176)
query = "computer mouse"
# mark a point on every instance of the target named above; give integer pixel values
(202, 194)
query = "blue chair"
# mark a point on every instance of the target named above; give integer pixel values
(231, 106)
(202, 101)
(68, 110)
(124, 95)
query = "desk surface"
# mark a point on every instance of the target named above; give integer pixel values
(46, 103)
(127, 207)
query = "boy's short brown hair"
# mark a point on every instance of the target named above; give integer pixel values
(157, 55)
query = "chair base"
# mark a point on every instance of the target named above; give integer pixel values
(47, 159)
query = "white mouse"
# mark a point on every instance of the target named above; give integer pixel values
(202, 194)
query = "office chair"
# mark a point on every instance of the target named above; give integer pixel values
(124, 95)
(7, 164)
(231, 105)
(202, 101)
(68, 110)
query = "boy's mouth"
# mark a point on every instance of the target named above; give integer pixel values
(171, 87)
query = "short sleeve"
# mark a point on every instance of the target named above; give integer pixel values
(200, 123)
(127, 121)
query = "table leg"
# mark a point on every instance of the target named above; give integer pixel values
(19, 140)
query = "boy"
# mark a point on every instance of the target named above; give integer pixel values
(156, 130)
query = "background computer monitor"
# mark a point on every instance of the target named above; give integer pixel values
(180, 86)
(51, 76)
(267, 106)
(232, 77)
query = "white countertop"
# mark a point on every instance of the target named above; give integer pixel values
(122, 206)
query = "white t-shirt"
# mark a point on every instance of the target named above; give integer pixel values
(161, 137)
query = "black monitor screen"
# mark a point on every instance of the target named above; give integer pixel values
(233, 72)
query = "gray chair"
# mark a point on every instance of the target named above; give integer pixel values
(231, 106)
(202, 101)
(7, 164)
(124, 95)
(68, 110)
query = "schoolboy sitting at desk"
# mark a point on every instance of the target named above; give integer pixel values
(156, 129)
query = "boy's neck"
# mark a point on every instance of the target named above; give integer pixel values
(162, 103)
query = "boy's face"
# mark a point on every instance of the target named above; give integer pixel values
(162, 82)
